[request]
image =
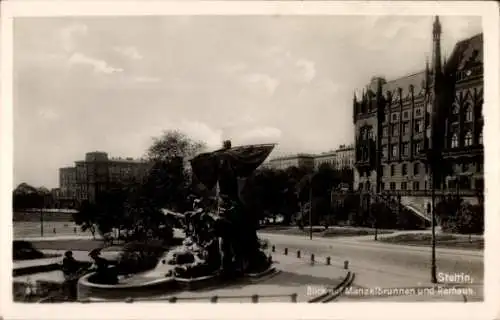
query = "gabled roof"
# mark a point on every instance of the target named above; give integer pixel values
(417, 80)
(467, 52)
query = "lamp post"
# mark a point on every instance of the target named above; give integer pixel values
(310, 208)
(433, 226)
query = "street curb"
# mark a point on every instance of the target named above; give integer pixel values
(337, 292)
(323, 298)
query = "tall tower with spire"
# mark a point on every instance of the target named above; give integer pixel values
(435, 99)
(436, 47)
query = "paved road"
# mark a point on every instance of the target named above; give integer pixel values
(385, 265)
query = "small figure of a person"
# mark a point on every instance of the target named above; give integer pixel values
(70, 269)
(104, 274)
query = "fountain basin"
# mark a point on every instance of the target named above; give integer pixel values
(138, 286)
(144, 287)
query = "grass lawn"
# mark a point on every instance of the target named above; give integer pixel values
(442, 240)
(331, 232)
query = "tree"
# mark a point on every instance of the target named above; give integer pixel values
(173, 144)
(87, 217)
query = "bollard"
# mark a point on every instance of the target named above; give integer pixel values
(328, 261)
(346, 264)
(129, 300)
(255, 298)
(273, 248)
(172, 300)
(312, 258)
(298, 253)
(214, 299)
(293, 297)
(286, 251)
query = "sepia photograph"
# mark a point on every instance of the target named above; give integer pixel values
(254, 158)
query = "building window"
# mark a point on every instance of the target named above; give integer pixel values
(405, 115)
(360, 186)
(393, 169)
(395, 129)
(385, 131)
(393, 186)
(394, 117)
(406, 128)
(480, 140)
(416, 169)
(386, 117)
(418, 146)
(455, 110)
(468, 139)
(394, 150)
(404, 169)
(418, 126)
(468, 114)
(454, 141)
(418, 112)
(384, 151)
(416, 185)
(403, 185)
(370, 133)
(406, 149)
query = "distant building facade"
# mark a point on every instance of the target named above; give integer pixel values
(328, 158)
(98, 173)
(435, 113)
(297, 160)
(345, 157)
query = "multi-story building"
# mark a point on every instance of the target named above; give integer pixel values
(345, 157)
(433, 116)
(98, 173)
(329, 158)
(297, 160)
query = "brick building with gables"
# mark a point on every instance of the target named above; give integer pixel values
(400, 125)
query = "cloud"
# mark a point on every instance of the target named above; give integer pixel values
(308, 68)
(129, 52)
(201, 131)
(68, 35)
(261, 135)
(100, 66)
(147, 79)
(266, 80)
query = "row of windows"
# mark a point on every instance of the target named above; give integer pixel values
(469, 117)
(418, 128)
(468, 139)
(405, 148)
(391, 170)
(392, 186)
(406, 115)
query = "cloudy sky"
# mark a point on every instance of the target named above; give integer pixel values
(111, 84)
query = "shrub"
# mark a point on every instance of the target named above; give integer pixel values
(139, 256)
(24, 250)
(469, 219)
